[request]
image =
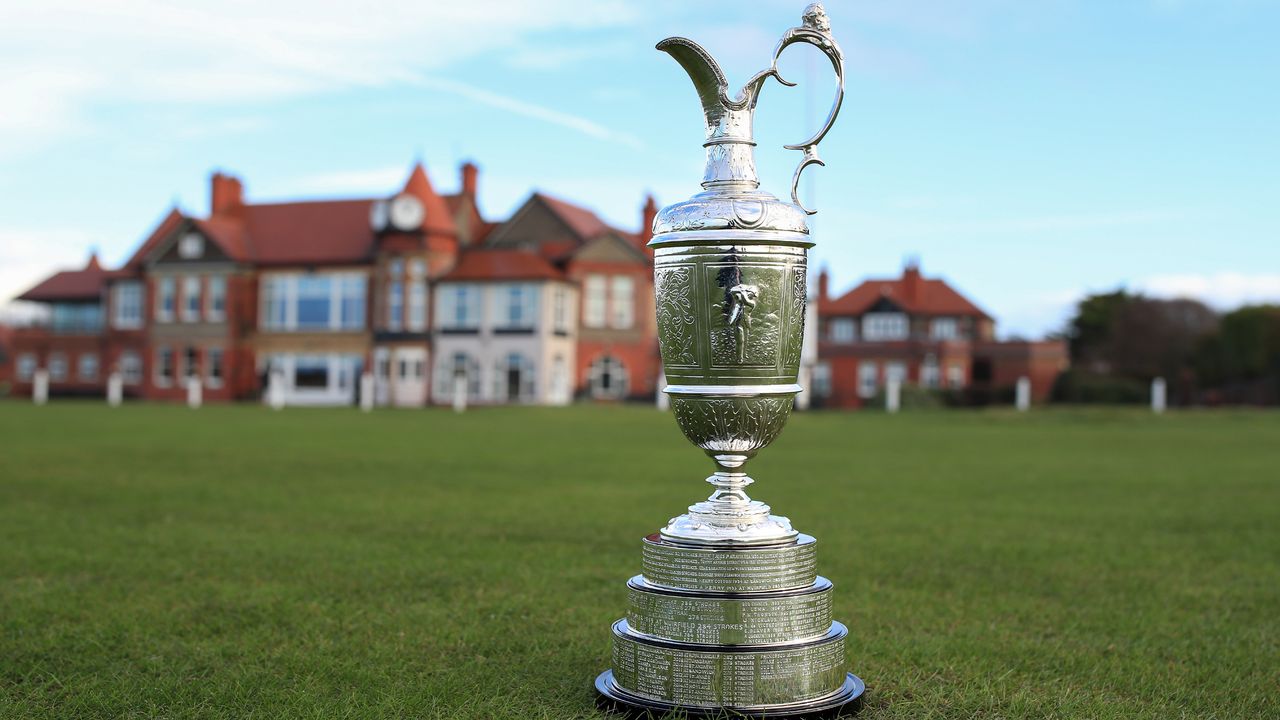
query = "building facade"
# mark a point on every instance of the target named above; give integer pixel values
(415, 288)
(918, 331)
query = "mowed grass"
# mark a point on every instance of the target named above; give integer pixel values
(239, 563)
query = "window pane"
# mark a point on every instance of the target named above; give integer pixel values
(311, 372)
(353, 303)
(593, 310)
(622, 301)
(313, 303)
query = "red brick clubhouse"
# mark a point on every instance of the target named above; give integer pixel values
(430, 298)
(415, 287)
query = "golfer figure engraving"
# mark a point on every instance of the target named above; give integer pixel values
(729, 613)
(742, 300)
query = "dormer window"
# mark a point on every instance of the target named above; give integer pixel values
(190, 246)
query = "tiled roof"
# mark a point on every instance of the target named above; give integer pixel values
(923, 296)
(500, 264)
(70, 285)
(584, 223)
(326, 231)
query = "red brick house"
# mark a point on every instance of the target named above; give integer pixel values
(919, 331)
(314, 293)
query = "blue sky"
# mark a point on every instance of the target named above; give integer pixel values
(1028, 151)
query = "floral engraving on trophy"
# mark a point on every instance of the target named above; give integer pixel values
(674, 290)
(731, 424)
(795, 328)
(746, 320)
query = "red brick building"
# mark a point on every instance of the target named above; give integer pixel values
(918, 331)
(315, 293)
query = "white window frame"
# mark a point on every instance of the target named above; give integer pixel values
(458, 307)
(284, 287)
(560, 309)
(930, 372)
(214, 357)
(955, 375)
(868, 378)
(94, 366)
(844, 330)
(895, 370)
(130, 367)
(518, 307)
(58, 366)
(215, 299)
(191, 287)
(595, 301)
(944, 328)
(620, 379)
(885, 326)
(160, 378)
(25, 366)
(166, 298)
(417, 314)
(821, 380)
(622, 302)
(126, 305)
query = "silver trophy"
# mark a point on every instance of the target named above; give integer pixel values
(729, 612)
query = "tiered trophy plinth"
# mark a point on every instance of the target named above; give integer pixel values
(746, 630)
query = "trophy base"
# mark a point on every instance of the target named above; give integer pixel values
(845, 701)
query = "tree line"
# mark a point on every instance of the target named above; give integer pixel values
(1121, 341)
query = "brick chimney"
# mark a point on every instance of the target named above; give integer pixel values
(824, 284)
(911, 283)
(470, 178)
(647, 215)
(226, 194)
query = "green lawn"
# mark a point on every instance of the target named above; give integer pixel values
(240, 563)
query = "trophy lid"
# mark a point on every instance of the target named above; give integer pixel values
(732, 200)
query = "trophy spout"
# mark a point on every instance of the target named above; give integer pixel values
(728, 122)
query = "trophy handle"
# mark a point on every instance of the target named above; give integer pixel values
(817, 32)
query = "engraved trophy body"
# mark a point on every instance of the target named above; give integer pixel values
(729, 612)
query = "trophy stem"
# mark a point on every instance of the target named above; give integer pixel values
(729, 516)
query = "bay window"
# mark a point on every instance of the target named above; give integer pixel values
(126, 305)
(309, 303)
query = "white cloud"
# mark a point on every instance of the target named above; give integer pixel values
(29, 255)
(1223, 290)
(61, 58)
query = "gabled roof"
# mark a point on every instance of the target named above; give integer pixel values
(481, 264)
(918, 296)
(584, 223)
(70, 285)
(162, 231)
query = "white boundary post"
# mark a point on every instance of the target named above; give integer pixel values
(40, 387)
(893, 395)
(1023, 394)
(1159, 395)
(115, 389)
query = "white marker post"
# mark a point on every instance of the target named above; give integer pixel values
(115, 389)
(366, 392)
(459, 393)
(195, 393)
(1022, 399)
(275, 390)
(893, 395)
(661, 401)
(1159, 395)
(40, 387)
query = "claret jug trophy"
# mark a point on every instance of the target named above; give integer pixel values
(729, 613)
